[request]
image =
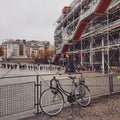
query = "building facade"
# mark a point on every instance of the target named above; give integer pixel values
(14, 48)
(24, 51)
(89, 32)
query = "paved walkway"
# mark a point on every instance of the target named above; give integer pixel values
(104, 108)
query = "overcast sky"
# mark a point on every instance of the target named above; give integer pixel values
(29, 19)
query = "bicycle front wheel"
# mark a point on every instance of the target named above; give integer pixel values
(82, 95)
(51, 101)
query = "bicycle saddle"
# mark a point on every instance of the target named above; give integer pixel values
(72, 77)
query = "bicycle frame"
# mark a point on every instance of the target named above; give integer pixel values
(60, 88)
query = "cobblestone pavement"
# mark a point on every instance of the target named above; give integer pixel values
(104, 108)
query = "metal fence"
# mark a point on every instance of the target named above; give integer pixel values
(24, 96)
(20, 93)
(101, 85)
(15, 98)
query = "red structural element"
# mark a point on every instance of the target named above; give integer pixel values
(102, 6)
(57, 56)
(80, 55)
(66, 9)
(65, 47)
(79, 30)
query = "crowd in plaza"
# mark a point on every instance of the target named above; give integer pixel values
(26, 66)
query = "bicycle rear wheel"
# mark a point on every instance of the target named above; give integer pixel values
(82, 95)
(51, 101)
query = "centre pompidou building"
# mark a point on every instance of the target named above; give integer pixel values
(88, 33)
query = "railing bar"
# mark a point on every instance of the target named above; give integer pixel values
(25, 76)
(17, 83)
(34, 95)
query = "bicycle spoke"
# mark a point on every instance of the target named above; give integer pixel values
(51, 103)
(82, 95)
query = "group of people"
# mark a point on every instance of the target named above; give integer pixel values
(49, 67)
(25, 66)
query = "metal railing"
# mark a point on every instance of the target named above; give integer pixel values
(20, 93)
(24, 96)
(16, 98)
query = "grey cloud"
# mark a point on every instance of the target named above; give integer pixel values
(29, 19)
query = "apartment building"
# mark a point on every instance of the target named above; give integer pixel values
(89, 32)
(24, 51)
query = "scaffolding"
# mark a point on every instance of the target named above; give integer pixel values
(92, 34)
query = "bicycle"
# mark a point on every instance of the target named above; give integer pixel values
(80, 93)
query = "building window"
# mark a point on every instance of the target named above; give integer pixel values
(21, 49)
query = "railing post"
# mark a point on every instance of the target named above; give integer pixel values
(37, 94)
(82, 79)
(111, 83)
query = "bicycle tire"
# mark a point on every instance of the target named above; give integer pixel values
(82, 95)
(51, 101)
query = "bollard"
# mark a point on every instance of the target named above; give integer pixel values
(82, 79)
